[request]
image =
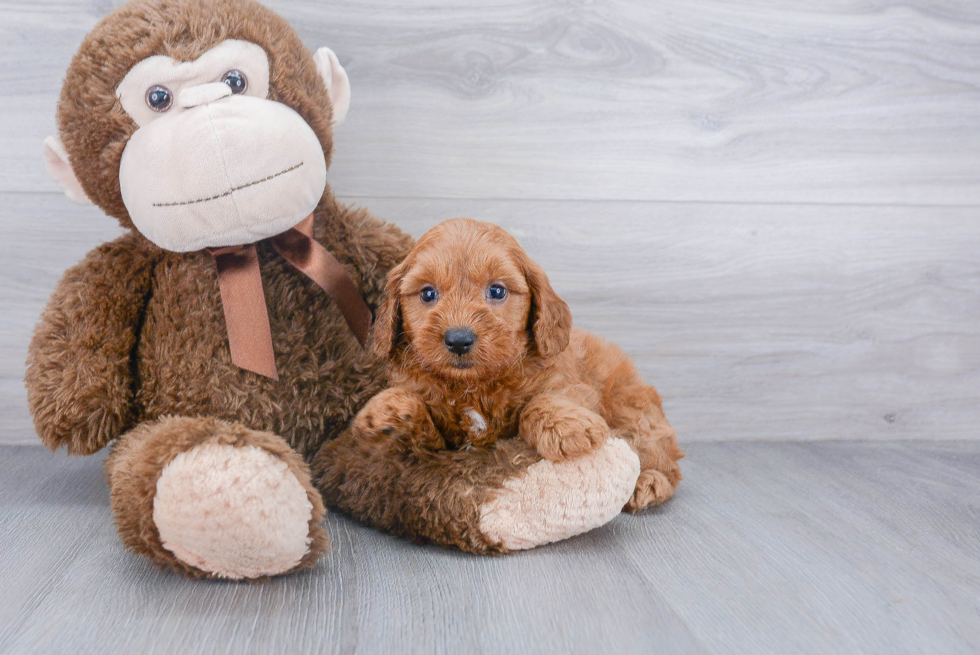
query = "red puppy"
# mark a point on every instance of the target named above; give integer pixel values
(482, 348)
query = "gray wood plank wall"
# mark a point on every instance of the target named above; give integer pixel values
(772, 205)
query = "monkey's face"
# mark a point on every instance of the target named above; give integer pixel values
(202, 123)
(214, 161)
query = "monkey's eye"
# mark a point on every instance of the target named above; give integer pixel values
(496, 292)
(236, 80)
(159, 98)
(429, 295)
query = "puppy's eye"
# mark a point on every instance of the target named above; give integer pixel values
(496, 292)
(236, 80)
(429, 295)
(159, 98)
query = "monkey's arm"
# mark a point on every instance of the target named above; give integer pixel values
(79, 365)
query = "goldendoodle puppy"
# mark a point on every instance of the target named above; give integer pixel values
(482, 348)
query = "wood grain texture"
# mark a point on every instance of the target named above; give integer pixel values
(760, 322)
(767, 548)
(768, 322)
(866, 101)
(771, 206)
(763, 320)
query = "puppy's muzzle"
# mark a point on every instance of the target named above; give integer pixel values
(459, 341)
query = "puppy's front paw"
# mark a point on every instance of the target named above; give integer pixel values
(398, 416)
(564, 432)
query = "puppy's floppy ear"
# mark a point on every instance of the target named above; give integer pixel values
(549, 320)
(387, 329)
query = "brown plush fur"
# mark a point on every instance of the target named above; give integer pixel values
(132, 347)
(95, 128)
(528, 373)
(134, 334)
(424, 495)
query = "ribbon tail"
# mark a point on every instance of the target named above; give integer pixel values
(305, 253)
(246, 315)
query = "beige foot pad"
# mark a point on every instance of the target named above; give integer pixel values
(554, 501)
(234, 512)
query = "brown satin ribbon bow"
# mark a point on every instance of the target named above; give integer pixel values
(246, 315)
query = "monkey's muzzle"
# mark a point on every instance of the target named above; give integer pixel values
(236, 170)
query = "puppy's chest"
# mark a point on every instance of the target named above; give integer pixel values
(470, 422)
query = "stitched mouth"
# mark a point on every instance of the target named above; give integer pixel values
(229, 191)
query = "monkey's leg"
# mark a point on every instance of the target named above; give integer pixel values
(490, 500)
(214, 499)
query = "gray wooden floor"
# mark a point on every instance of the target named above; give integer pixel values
(767, 548)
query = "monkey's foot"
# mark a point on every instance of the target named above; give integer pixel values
(552, 501)
(234, 512)
(215, 499)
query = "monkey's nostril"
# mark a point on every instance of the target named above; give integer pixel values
(459, 341)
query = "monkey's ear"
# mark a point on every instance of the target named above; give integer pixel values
(59, 168)
(338, 84)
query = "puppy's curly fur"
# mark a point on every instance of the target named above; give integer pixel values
(519, 368)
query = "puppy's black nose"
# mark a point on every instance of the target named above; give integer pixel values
(459, 341)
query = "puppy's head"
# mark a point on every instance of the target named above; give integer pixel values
(468, 303)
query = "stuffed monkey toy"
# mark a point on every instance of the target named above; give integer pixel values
(217, 346)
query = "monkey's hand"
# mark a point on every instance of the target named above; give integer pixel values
(79, 366)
